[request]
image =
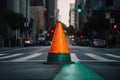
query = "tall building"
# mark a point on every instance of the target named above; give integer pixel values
(88, 5)
(3, 27)
(80, 18)
(20, 6)
(103, 4)
(116, 3)
(17, 6)
(51, 13)
(38, 8)
(109, 11)
(72, 15)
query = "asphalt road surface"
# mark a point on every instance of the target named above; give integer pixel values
(89, 64)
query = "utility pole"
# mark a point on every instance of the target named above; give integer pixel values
(26, 22)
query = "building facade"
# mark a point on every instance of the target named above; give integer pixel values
(45, 15)
(80, 18)
(110, 10)
(72, 15)
(17, 6)
(38, 8)
(48, 15)
(39, 19)
(3, 27)
(51, 14)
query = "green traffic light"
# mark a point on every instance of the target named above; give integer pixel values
(79, 10)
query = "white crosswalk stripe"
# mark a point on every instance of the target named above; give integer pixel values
(10, 56)
(112, 55)
(94, 56)
(27, 57)
(74, 57)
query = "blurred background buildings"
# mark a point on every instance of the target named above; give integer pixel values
(39, 17)
(25, 19)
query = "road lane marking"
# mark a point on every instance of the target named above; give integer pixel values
(24, 61)
(77, 71)
(24, 48)
(27, 57)
(98, 61)
(91, 50)
(12, 50)
(35, 51)
(10, 56)
(90, 61)
(97, 57)
(74, 58)
(112, 55)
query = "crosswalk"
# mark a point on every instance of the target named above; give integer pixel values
(94, 56)
(112, 55)
(9, 56)
(22, 57)
(27, 57)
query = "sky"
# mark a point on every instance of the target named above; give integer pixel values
(64, 6)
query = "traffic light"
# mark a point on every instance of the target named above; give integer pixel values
(115, 27)
(81, 37)
(79, 9)
(52, 31)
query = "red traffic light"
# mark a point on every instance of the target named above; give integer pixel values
(115, 27)
(52, 31)
(81, 37)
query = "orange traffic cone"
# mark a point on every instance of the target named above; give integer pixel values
(59, 52)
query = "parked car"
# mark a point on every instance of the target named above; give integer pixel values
(99, 43)
(85, 42)
(28, 42)
(48, 43)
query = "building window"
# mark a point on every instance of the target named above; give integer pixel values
(109, 3)
(36, 2)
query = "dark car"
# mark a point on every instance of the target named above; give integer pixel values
(85, 42)
(99, 43)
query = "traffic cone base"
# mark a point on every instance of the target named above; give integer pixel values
(59, 58)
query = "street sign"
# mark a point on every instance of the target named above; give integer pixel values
(107, 15)
(112, 20)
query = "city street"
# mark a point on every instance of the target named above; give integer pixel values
(27, 63)
(60, 40)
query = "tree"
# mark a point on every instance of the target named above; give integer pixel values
(14, 20)
(70, 30)
(97, 21)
